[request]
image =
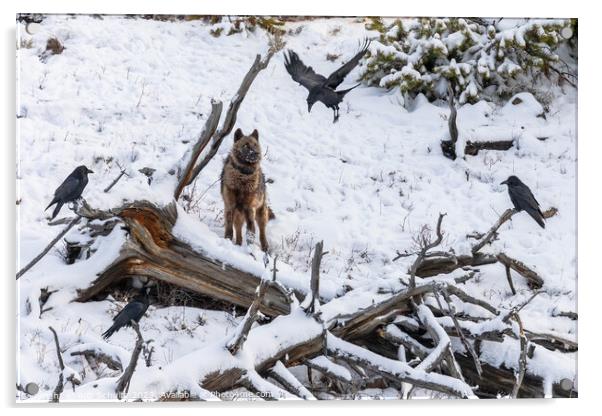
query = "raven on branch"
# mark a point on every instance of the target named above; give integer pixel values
(523, 199)
(70, 190)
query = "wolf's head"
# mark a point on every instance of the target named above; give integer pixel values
(246, 148)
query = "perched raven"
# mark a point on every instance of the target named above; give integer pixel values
(70, 189)
(320, 88)
(523, 199)
(132, 311)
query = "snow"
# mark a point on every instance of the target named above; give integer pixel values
(138, 92)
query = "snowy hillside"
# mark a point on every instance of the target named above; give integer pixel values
(137, 93)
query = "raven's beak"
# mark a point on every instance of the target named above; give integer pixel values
(90, 171)
(504, 183)
(309, 107)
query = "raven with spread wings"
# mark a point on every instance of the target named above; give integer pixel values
(321, 88)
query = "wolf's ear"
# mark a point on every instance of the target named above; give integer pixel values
(237, 135)
(255, 134)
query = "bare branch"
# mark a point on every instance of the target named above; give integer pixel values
(522, 361)
(123, 384)
(283, 376)
(534, 280)
(56, 394)
(108, 188)
(48, 247)
(314, 302)
(492, 231)
(239, 338)
(203, 140)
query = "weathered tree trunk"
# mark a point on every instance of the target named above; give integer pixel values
(152, 251)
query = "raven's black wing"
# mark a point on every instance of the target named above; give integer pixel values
(523, 199)
(338, 76)
(133, 310)
(70, 188)
(301, 73)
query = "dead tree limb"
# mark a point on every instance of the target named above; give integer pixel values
(152, 251)
(449, 146)
(493, 230)
(287, 380)
(533, 279)
(99, 356)
(509, 277)
(394, 370)
(239, 338)
(123, 384)
(56, 394)
(314, 301)
(122, 172)
(472, 148)
(203, 140)
(48, 247)
(522, 361)
(451, 312)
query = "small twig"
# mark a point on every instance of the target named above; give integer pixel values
(509, 277)
(108, 188)
(48, 247)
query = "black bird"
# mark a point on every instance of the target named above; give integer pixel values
(70, 190)
(132, 311)
(320, 88)
(523, 199)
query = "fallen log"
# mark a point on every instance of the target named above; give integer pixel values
(473, 148)
(152, 251)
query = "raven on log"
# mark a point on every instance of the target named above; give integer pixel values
(523, 199)
(321, 88)
(70, 190)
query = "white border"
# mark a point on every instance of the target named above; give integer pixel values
(589, 206)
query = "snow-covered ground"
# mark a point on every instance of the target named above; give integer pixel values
(137, 92)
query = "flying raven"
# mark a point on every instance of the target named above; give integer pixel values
(523, 199)
(320, 88)
(70, 189)
(132, 311)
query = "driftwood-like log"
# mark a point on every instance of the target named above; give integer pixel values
(152, 251)
(433, 266)
(473, 148)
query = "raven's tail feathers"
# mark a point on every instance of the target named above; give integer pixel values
(51, 204)
(538, 217)
(107, 334)
(342, 93)
(58, 207)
